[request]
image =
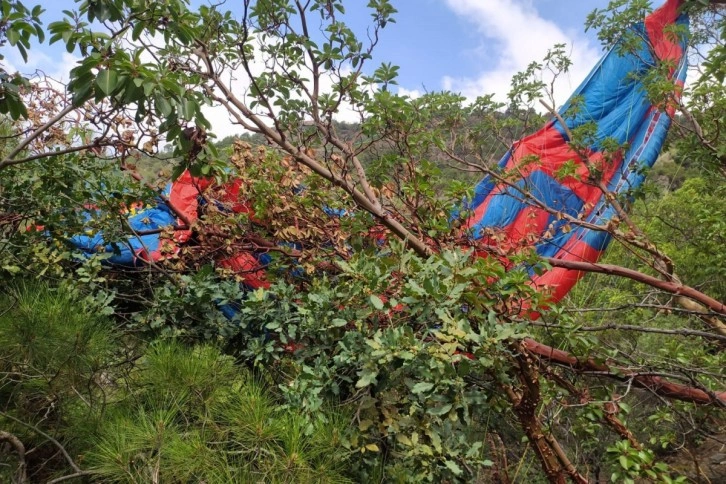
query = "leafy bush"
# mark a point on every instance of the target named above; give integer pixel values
(166, 413)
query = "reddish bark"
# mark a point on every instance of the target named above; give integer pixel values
(668, 286)
(656, 384)
(526, 400)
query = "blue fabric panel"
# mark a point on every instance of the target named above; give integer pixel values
(552, 193)
(125, 251)
(229, 310)
(264, 258)
(505, 206)
(486, 185)
(335, 212)
(645, 147)
(612, 96)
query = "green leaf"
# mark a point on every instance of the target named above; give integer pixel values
(187, 108)
(366, 378)
(453, 467)
(422, 387)
(23, 52)
(438, 411)
(137, 30)
(148, 87)
(12, 269)
(82, 93)
(163, 106)
(40, 33)
(404, 440)
(13, 36)
(17, 109)
(376, 301)
(107, 81)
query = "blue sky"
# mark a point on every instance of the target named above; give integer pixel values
(468, 46)
(457, 40)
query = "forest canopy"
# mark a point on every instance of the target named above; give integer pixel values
(321, 307)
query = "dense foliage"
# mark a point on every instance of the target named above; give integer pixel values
(385, 349)
(138, 413)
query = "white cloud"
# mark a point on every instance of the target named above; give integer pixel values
(519, 35)
(412, 93)
(62, 69)
(223, 123)
(56, 68)
(238, 81)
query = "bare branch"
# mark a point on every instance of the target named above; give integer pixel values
(49, 154)
(24, 144)
(655, 383)
(70, 476)
(667, 286)
(640, 329)
(21, 473)
(57, 444)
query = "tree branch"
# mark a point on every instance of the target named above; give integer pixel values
(654, 383)
(21, 473)
(667, 286)
(48, 154)
(24, 144)
(70, 476)
(640, 329)
(57, 444)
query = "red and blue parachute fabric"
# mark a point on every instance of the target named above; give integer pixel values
(613, 97)
(502, 216)
(145, 245)
(148, 243)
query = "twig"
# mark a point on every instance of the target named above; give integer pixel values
(649, 381)
(21, 474)
(640, 329)
(70, 476)
(24, 144)
(58, 445)
(667, 286)
(48, 154)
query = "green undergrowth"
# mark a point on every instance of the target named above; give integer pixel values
(130, 411)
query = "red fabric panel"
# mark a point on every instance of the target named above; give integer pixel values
(663, 42)
(479, 211)
(558, 281)
(230, 195)
(183, 198)
(247, 266)
(528, 227)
